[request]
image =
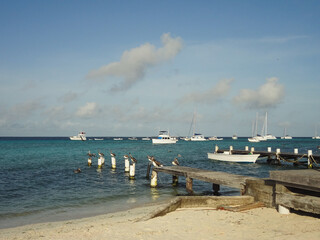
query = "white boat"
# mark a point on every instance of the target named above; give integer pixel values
(239, 158)
(118, 139)
(198, 137)
(145, 138)
(316, 136)
(164, 138)
(80, 137)
(285, 136)
(214, 138)
(98, 139)
(234, 137)
(133, 138)
(254, 137)
(266, 135)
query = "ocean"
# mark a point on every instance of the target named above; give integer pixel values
(38, 183)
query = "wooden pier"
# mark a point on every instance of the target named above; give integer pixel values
(291, 189)
(306, 159)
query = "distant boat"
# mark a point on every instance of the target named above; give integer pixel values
(228, 157)
(80, 137)
(234, 137)
(316, 136)
(118, 139)
(254, 137)
(267, 135)
(164, 138)
(285, 136)
(133, 138)
(98, 139)
(146, 139)
(214, 138)
(198, 137)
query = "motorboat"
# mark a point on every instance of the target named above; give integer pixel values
(229, 157)
(164, 138)
(80, 137)
(234, 137)
(214, 138)
(316, 136)
(146, 139)
(133, 138)
(98, 139)
(118, 139)
(198, 137)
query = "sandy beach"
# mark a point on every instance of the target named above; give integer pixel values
(183, 223)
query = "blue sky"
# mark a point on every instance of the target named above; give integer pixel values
(130, 68)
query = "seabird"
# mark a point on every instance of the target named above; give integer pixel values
(77, 170)
(156, 163)
(150, 158)
(91, 154)
(100, 154)
(133, 159)
(126, 156)
(112, 154)
(175, 162)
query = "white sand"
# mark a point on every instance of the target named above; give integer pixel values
(187, 223)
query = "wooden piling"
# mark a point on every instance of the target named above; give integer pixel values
(189, 183)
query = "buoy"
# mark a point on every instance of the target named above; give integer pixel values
(154, 179)
(126, 163)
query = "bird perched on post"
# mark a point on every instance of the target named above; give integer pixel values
(91, 154)
(112, 154)
(175, 162)
(125, 156)
(155, 162)
(150, 158)
(101, 154)
(133, 159)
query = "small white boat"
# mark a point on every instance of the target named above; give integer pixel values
(198, 137)
(146, 139)
(234, 137)
(80, 137)
(118, 139)
(164, 138)
(239, 158)
(98, 139)
(285, 135)
(214, 138)
(253, 139)
(133, 138)
(316, 136)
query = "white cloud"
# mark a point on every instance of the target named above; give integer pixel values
(266, 96)
(90, 109)
(220, 90)
(134, 62)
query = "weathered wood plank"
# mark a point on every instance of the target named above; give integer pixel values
(308, 179)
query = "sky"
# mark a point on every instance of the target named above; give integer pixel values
(134, 67)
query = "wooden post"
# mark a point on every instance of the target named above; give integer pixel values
(89, 161)
(174, 180)
(246, 148)
(269, 149)
(189, 182)
(252, 150)
(126, 164)
(113, 162)
(216, 188)
(154, 179)
(216, 148)
(148, 170)
(99, 163)
(309, 159)
(230, 149)
(296, 151)
(132, 171)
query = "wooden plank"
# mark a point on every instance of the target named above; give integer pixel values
(308, 179)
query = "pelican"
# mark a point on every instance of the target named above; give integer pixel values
(112, 154)
(133, 159)
(156, 163)
(126, 156)
(175, 162)
(91, 154)
(101, 154)
(150, 158)
(77, 170)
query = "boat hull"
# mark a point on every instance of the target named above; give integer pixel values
(163, 141)
(240, 158)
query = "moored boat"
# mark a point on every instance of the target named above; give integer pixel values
(164, 138)
(198, 137)
(80, 137)
(228, 157)
(118, 139)
(214, 138)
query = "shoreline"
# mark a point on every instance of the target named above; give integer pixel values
(197, 222)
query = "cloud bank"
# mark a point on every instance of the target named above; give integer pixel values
(90, 109)
(134, 63)
(266, 96)
(209, 96)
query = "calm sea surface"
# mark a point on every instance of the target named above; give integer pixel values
(37, 182)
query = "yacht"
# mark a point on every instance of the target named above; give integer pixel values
(80, 137)
(285, 136)
(215, 138)
(118, 139)
(146, 138)
(198, 137)
(316, 136)
(164, 138)
(234, 137)
(132, 138)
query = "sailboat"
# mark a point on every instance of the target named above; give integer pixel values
(316, 136)
(267, 136)
(196, 136)
(254, 137)
(285, 136)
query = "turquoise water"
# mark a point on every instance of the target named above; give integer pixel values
(37, 182)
